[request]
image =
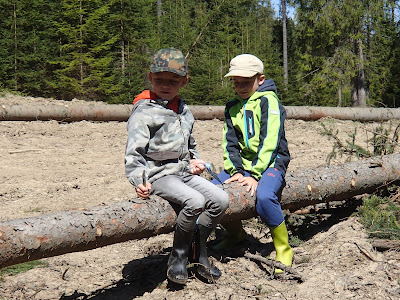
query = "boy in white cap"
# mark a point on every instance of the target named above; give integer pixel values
(256, 152)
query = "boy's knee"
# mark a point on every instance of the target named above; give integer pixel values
(196, 204)
(267, 197)
(270, 211)
(267, 202)
(220, 199)
(225, 201)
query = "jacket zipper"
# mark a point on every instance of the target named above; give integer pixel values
(183, 135)
(245, 124)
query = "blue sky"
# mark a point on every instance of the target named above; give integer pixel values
(276, 4)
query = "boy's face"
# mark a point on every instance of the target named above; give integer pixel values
(167, 84)
(247, 86)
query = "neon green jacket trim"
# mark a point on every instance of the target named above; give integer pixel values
(254, 135)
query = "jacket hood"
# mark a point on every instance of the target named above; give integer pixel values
(268, 85)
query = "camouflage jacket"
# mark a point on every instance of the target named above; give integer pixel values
(160, 141)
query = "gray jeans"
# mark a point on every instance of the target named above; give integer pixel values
(199, 198)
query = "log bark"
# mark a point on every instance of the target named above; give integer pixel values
(121, 112)
(60, 233)
(324, 184)
(383, 245)
(92, 112)
(65, 113)
(362, 114)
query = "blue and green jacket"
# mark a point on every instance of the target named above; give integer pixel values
(254, 133)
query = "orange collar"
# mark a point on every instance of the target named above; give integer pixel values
(147, 94)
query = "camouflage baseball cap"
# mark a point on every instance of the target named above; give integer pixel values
(169, 60)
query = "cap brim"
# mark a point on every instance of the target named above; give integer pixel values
(241, 73)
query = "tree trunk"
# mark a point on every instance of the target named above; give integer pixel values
(121, 112)
(159, 15)
(122, 39)
(358, 93)
(284, 38)
(81, 46)
(55, 234)
(15, 49)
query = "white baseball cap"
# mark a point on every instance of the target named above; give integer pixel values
(245, 65)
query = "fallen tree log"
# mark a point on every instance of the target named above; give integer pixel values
(60, 233)
(65, 113)
(383, 245)
(362, 114)
(91, 112)
(121, 112)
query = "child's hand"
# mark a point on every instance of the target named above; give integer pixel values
(143, 191)
(197, 166)
(235, 177)
(249, 181)
(251, 184)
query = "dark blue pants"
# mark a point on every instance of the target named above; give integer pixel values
(269, 191)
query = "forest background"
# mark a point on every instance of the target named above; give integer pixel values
(339, 53)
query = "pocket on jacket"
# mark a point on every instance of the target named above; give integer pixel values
(163, 155)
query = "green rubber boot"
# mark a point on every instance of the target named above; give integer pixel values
(284, 253)
(234, 235)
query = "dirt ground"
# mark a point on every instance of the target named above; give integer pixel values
(50, 166)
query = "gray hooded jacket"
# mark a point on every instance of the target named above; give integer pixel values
(160, 141)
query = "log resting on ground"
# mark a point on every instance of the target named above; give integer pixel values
(121, 112)
(60, 233)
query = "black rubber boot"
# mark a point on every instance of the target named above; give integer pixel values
(177, 262)
(200, 257)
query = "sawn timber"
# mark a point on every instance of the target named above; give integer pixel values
(49, 235)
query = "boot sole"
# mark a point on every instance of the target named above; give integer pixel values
(180, 278)
(177, 280)
(207, 275)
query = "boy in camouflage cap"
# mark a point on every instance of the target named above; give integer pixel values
(169, 60)
(161, 159)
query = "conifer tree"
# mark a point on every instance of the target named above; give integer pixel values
(135, 24)
(338, 51)
(86, 56)
(8, 45)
